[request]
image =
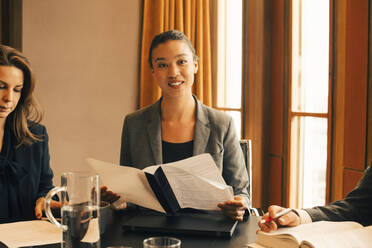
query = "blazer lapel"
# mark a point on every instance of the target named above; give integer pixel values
(154, 133)
(202, 129)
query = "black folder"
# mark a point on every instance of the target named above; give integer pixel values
(163, 191)
(196, 223)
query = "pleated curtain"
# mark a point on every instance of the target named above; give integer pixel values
(189, 16)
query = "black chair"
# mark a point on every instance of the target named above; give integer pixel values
(246, 146)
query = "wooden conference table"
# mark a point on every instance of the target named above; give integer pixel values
(114, 236)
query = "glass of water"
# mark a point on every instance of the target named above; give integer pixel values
(161, 242)
(80, 209)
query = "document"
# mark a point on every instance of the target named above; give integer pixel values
(322, 234)
(194, 182)
(129, 182)
(29, 233)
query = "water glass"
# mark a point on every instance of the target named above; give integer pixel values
(161, 242)
(80, 212)
(105, 218)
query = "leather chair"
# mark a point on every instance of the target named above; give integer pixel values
(246, 146)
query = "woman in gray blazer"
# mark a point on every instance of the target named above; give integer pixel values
(178, 126)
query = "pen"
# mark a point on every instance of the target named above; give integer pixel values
(281, 213)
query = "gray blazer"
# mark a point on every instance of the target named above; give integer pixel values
(357, 206)
(141, 143)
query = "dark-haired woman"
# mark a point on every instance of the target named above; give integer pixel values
(178, 126)
(25, 174)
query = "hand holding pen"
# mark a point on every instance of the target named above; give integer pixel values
(276, 216)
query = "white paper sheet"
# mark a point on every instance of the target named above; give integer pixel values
(29, 233)
(320, 234)
(129, 182)
(196, 182)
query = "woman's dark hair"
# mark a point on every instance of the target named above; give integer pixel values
(27, 108)
(170, 35)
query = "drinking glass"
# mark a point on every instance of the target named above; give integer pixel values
(161, 242)
(80, 213)
(105, 217)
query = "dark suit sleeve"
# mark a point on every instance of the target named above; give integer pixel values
(46, 173)
(234, 169)
(125, 158)
(357, 206)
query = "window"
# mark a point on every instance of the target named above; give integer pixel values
(309, 101)
(229, 50)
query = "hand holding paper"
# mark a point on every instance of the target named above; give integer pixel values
(108, 196)
(193, 183)
(234, 208)
(130, 183)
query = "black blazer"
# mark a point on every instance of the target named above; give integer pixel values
(25, 174)
(357, 206)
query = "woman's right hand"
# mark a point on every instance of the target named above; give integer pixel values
(39, 206)
(289, 219)
(108, 195)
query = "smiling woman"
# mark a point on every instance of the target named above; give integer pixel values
(179, 126)
(25, 175)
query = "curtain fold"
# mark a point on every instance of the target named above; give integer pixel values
(189, 16)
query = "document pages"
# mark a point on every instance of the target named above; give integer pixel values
(29, 233)
(322, 234)
(194, 182)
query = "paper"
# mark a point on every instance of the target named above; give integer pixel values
(129, 182)
(202, 165)
(353, 238)
(320, 234)
(92, 234)
(196, 182)
(29, 233)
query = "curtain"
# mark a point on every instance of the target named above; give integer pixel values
(189, 16)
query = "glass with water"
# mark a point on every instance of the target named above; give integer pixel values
(80, 209)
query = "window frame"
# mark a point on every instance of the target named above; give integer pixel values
(293, 114)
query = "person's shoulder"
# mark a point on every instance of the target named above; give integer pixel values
(369, 168)
(215, 115)
(367, 176)
(36, 128)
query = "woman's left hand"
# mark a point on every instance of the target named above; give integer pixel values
(39, 206)
(234, 208)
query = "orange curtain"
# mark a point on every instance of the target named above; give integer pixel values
(189, 16)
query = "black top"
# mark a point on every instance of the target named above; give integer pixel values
(25, 174)
(176, 151)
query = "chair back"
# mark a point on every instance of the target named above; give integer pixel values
(246, 146)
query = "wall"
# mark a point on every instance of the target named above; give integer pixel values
(85, 56)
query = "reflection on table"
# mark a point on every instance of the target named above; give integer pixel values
(114, 235)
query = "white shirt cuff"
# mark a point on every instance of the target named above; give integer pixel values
(304, 216)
